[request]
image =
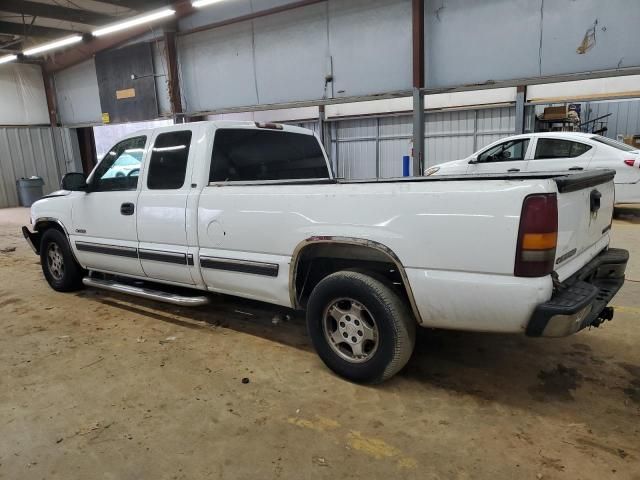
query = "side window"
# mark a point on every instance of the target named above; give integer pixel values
(557, 148)
(168, 164)
(507, 151)
(120, 167)
(258, 155)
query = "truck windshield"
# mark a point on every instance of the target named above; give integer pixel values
(247, 155)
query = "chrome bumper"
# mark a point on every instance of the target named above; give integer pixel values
(33, 239)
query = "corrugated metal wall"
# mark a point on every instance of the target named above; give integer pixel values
(287, 56)
(374, 147)
(624, 121)
(537, 37)
(46, 152)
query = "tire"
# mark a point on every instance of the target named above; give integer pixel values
(58, 264)
(360, 327)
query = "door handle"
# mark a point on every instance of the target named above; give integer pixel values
(576, 168)
(513, 170)
(127, 208)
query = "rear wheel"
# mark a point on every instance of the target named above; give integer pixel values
(58, 265)
(360, 327)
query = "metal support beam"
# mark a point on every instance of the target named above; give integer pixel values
(418, 133)
(11, 28)
(322, 125)
(137, 5)
(173, 76)
(252, 16)
(50, 93)
(418, 42)
(73, 56)
(521, 93)
(56, 12)
(418, 84)
(87, 145)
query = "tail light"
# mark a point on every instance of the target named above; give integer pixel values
(630, 162)
(537, 236)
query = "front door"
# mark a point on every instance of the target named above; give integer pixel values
(506, 157)
(103, 233)
(162, 208)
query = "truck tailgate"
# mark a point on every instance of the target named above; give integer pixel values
(585, 211)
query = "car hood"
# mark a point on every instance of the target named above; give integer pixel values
(454, 166)
(57, 193)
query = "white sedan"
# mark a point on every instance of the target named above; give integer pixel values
(554, 151)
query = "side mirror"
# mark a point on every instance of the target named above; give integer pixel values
(473, 160)
(74, 182)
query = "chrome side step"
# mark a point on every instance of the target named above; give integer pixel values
(147, 293)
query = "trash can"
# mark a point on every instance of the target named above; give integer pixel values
(29, 190)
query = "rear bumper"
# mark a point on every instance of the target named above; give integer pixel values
(33, 239)
(581, 300)
(627, 193)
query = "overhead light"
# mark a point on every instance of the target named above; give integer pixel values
(52, 45)
(116, 27)
(204, 3)
(8, 58)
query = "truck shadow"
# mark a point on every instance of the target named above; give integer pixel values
(585, 374)
(627, 214)
(263, 320)
(538, 375)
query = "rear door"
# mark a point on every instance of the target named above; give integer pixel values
(255, 173)
(162, 207)
(509, 156)
(557, 154)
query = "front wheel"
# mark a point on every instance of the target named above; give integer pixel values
(360, 327)
(58, 265)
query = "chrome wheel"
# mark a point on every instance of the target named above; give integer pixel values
(350, 330)
(55, 261)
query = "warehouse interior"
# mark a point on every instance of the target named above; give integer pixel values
(100, 385)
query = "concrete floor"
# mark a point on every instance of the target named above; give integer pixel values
(96, 385)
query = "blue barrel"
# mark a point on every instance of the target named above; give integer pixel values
(406, 163)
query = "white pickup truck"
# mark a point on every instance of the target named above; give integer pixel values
(253, 210)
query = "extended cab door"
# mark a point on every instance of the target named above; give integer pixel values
(162, 207)
(255, 174)
(558, 154)
(507, 157)
(103, 233)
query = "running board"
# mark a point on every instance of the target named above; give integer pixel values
(147, 293)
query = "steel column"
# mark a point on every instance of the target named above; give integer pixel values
(50, 93)
(418, 133)
(173, 75)
(418, 83)
(377, 147)
(521, 93)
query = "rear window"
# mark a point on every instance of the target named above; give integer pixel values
(556, 148)
(248, 155)
(612, 143)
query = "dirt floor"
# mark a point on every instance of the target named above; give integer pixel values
(97, 385)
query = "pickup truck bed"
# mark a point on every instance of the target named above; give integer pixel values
(253, 210)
